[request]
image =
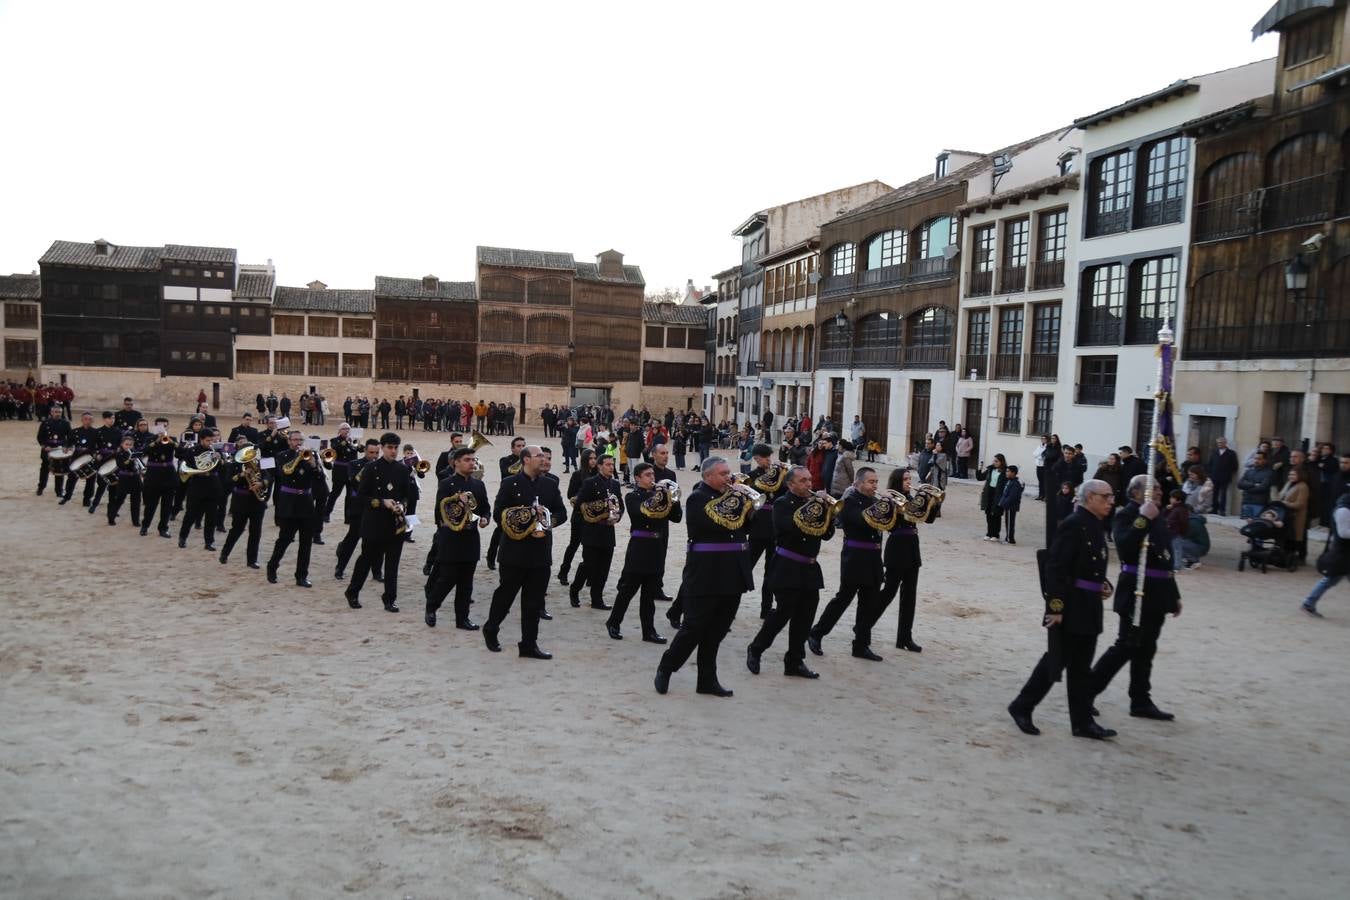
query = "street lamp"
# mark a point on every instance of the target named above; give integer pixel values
(1296, 278)
(842, 323)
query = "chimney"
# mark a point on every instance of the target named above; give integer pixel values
(102, 247)
(317, 285)
(430, 284)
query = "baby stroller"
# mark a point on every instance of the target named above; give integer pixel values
(1269, 539)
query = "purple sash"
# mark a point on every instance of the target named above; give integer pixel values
(795, 557)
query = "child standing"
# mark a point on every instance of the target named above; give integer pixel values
(1178, 523)
(1010, 502)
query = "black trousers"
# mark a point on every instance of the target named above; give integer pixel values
(906, 583)
(493, 544)
(531, 585)
(1010, 523)
(1136, 645)
(707, 619)
(347, 546)
(993, 520)
(448, 575)
(647, 586)
(338, 489)
(253, 520)
(287, 529)
(868, 603)
(179, 497)
(1064, 652)
(47, 470)
(758, 547)
(387, 548)
(131, 487)
(157, 495)
(198, 510)
(593, 571)
(573, 542)
(796, 610)
(221, 511)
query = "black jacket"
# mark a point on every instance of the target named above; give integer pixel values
(1160, 588)
(247, 431)
(126, 419)
(902, 549)
(1078, 553)
(788, 574)
(294, 494)
(597, 529)
(861, 565)
(509, 465)
(716, 573)
(1222, 466)
(54, 433)
(208, 486)
(772, 483)
(382, 480)
(518, 491)
(460, 546)
(650, 529)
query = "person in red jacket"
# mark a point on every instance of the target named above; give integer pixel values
(815, 464)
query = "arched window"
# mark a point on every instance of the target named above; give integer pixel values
(503, 327)
(1277, 326)
(1301, 181)
(935, 235)
(929, 343)
(550, 291)
(1217, 318)
(809, 362)
(502, 288)
(887, 249)
(843, 258)
(544, 368)
(502, 368)
(878, 339)
(392, 365)
(1228, 203)
(547, 330)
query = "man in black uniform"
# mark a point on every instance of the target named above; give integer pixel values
(203, 491)
(583, 470)
(549, 486)
(246, 508)
(345, 452)
(127, 483)
(352, 507)
(456, 543)
(297, 472)
(244, 429)
(510, 465)
(84, 441)
(527, 552)
(715, 578)
(161, 479)
(127, 416)
(1074, 584)
(1137, 644)
(386, 485)
(650, 512)
(599, 506)
(802, 521)
(902, 562)
(769, 480)
(109, 440)
(53, 432)
(661, 471)
(443, 468)
(864, 517)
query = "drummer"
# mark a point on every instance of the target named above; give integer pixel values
(84, 441)
(53, 434)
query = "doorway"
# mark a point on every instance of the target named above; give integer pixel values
(215, 395)
(837, 401)
(971, 417)
(520, 410)
(921, 395)
(1204, 431)
(876, 409)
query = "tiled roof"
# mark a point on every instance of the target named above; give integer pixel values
(255, 286)
(20, 287)
(326, 300)
(199, 254)
(412, 289)
(1175, 89)
(591, 272)
(1051, 185)
(674, 314)
(78, 253)
(525, 259)
(1286, 9)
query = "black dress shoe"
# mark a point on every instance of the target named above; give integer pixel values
(664, 599)
(867, 654)
(271, 575)
(601, 605)
(1094, 731)
(534, 653)
(352, 601)
(562, 578)
(430, 619)
(303, 582)
(614, 632)
(1151, 712)
(223, 558)
(673, 619)
(662, 681)
(112, 521)
(466, 625)
(575, 600)
(652, 637)
(752, 660)
(144, 532)
(377, 576)
(490, 638)
(799, 670)
(390, 607)
(211, 547)
(715, 690)
(64, 501)
(909, 645)
(254, 565)
(182, 545)
(813, 644)
(1022, 720)
(317, 540)
(164, 534)
(39, 492)
(338, 574)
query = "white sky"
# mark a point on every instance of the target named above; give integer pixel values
(349, 140)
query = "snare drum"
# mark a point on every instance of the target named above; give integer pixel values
(59, 459)
(107, 473)
(83, 466)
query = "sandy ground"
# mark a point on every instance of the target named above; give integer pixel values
(175, 728)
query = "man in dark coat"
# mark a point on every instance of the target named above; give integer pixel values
(595, 504)
(1223, 466)
(53, 432)
(1074, 584)
(294, 504)
(457, 546)
(385, 489)
(203, 492)
(650, 513)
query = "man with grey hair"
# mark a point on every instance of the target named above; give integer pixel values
(1073, 582)
(716, 574)
(1137, 520)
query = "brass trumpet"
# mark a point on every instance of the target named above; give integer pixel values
(423, 466)
(741, 482)
(328, 454)
(166, 438)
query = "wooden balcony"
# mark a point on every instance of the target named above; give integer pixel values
(917, 270)
(928, 357)
(1302, 202)
(872, 357)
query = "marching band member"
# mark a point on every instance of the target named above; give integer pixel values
(651, 509)
(128, 483)
(53, 432)
(352, 507)
(902, 562)
(296, 472)
(717, 574)
(552, 489)
(84, 441)
(461, 511)
(510, 465)
(202, 491)
(385, 487)
(142, 437)
(661, 471)
(248, 504)
(187, 441)
(527, 509)
(769, 479)
(802, 521)
(161, 479)
(127, 416)
(321, 497)
(600, 507)
(443, 468)
(346, 452)
(109, 440)
(865, 516)
(584, 470)
(244, 429)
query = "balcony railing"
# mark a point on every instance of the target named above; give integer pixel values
(1010, 424)
(1227, 217)
(927, 269)
(890, 276)
(1113, 222)
(977, 363)
(1042, 366)
(392, 332)
(322, 370)
(1161, 212)
(1290, 339)
(1041, 426)
(1048, 273)
(1099, 330)
(872, 278)
(1007, 366)
(296, 368)
(980, 284)
(864, 357)
(1301, 202)
(726, 380)
(1012, 278)
(392, 373)
(928, 357)
(1097, 394)
(834, 358)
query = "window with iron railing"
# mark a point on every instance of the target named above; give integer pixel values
(981, 282)
(1097, 381)
(1164, 182)
(1016, 247)
(1109, 193)
(1011, 423)
(1102, 305)
(1153, 299)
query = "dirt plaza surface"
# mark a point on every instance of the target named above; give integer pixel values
(179, 728)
